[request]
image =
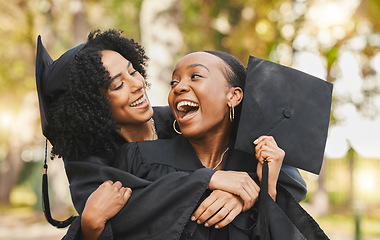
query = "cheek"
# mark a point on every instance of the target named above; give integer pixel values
(171, 99)
(118, 101)
(214, 109)
(115, 110)
(213, 100)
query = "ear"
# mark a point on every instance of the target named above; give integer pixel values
(235, 96)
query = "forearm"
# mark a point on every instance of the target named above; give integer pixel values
(75, 231)
(91, 227)
(175, 193)
(241, 184)
(272, 191)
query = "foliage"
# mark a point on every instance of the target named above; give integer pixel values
(259, 28)
(238, 27)
(343, 224)
(267, 29)
(273, 29)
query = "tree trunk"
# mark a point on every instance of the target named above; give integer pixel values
(162, 40)
(80, 24)
(320, 199)
(351, 166)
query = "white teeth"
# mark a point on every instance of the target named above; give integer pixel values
(138, 101)
(186, 103)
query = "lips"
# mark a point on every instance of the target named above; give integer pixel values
(138, 101)
(187, 109)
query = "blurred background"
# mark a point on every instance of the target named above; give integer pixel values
(336, 40)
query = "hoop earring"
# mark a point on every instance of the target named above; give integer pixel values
(179, 132)
(232, 114)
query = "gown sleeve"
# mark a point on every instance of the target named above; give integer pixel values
(291, 179)
(157, 209)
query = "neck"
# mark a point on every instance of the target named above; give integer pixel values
(138, 132)
(210, 148)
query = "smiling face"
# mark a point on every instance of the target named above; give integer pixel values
(200, 96)
(127, 95)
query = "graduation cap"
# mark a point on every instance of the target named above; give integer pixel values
(290, 105)
(50, 80)
(294, 108)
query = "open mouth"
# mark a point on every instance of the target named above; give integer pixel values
(138, 101)
(187, 109)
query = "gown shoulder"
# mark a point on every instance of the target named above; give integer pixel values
(152, 159)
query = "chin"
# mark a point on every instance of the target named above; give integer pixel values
(148, 117)
(148, 113)
(192, 132)
(143, 117)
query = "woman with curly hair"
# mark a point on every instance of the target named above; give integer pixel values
(98, 111)
(90, 104)
(102, 104)
(92, 100)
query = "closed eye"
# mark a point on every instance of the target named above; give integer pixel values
(120, 86)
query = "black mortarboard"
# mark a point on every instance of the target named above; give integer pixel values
(50, 78)
(290, 105)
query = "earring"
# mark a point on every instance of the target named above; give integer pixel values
(179, 132)
(232, 113)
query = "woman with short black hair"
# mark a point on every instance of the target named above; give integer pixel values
(206, 92)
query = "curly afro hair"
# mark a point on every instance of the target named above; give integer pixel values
(81, 122)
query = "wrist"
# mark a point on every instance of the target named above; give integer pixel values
(92, 223)
(272, 192)
(212, 179)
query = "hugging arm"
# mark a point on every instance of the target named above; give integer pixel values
(170, 199)
(104, 203)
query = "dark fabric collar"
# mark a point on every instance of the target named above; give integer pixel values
(176, 152)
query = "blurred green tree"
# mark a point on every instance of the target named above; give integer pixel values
(278, 30)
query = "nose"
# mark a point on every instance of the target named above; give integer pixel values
(182, 87)
(135, 83)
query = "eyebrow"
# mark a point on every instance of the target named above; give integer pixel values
(193, 66)
(119, 74)
(197, 65)
(116, 76)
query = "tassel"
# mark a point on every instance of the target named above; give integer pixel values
(264, 231)
(46, 203)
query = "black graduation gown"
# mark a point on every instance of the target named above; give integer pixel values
(168, 183)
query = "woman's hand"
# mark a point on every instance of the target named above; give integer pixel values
(104, 203)
(267, 150)
(238, 183)
(219, 208)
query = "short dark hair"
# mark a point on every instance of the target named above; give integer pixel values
(81, 120)
(236, 73)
